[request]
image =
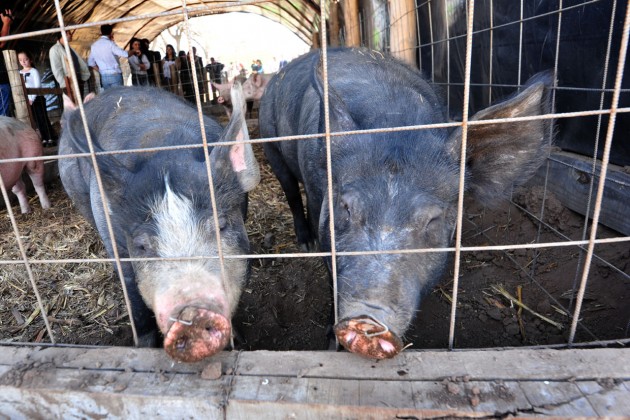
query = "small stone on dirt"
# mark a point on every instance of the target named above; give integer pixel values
(212, 371)
(495, 313)
(512, 329)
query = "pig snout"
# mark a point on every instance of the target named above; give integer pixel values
(196, 333)
(195, 322)
(367, 337)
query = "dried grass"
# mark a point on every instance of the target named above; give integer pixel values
(82, 300)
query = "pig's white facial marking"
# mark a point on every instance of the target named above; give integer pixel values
(178, 230)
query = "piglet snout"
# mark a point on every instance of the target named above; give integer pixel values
(196, 333)
(368, 338)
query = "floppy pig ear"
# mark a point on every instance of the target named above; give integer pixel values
(240, 155)
(501, 155)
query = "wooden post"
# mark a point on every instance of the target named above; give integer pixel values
(156, 74)
(334, 23)
(69, 90)
(402, 38)
(31, 118)
(174, 87)
(316, 41)
(15, 79)
(351, 19)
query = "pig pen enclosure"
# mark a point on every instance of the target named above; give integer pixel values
(534, 272)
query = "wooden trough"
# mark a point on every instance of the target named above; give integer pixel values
(55, 382)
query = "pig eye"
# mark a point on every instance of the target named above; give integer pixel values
(346, 209)
(142, 244)
(222, 223)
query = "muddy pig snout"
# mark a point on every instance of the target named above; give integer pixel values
(368, 338)
(196, 333)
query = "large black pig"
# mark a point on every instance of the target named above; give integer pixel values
(160, 206)
(392, 190)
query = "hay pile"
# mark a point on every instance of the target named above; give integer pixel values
(83, 300)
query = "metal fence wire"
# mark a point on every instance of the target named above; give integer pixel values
(475, 53)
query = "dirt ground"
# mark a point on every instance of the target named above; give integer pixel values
(287, 302)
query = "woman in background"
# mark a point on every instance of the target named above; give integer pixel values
(32, 79)
(139, 64)
(170, 59)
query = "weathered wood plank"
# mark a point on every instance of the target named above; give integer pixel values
(108, 358)
(264, 410)
(516, 364)
(420, 365)
(608, 398)
(557, 398)
(16, 403)
(334, 392)
(45, 382)
(475, 396)
(569, 180)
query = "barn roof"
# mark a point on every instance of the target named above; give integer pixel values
(147, 19)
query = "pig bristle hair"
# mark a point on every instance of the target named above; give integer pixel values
(176, 225)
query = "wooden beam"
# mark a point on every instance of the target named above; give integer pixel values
(569, 179)
(333, 23)
(351, 22)
(125, 382)
(402, 38)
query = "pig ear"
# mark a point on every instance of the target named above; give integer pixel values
(499, 156)
(240, 156)
(68, 105)
(340, 118)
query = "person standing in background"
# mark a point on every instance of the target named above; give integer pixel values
(169, 66)
(5, 87)
(104, 57)
(32, 79)
(214, 69)
(154, 58)
(60, 70)
(139, 64)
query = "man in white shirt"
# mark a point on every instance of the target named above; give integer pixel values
(104, 57)
(59, 64)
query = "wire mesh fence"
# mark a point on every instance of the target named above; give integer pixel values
(530, 271)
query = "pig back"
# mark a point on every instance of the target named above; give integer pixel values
(18, 141)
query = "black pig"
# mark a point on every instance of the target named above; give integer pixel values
(392, 190)
(160, 206)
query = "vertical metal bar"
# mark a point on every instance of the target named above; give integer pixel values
(520, 47)
(602, 176)
(534, 264)
(419, 52)
(491, 52)
(99, 181)
(448, 60)
(462, 172)
(432, 44)
(204, 140)
(595, 147)
(331, 213)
